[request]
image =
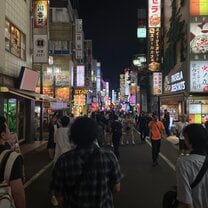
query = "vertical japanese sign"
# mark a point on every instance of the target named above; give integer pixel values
(157, 83)
(80, 76)
(40, 13)
(40, 50)
(199, 76)
(154, 23)
(78, 39)
(154, 13)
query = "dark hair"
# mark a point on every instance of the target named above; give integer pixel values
(2, 119)
(65, 121)
(84, 131)
(197, 135)
(2, 127)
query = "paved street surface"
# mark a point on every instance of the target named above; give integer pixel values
(142, 186)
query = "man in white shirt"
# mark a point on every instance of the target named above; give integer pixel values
(179, 128)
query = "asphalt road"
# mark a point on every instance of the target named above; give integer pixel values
(142, 186)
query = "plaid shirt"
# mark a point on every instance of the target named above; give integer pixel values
(84, 177)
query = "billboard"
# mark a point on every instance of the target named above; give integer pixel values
(199, 36)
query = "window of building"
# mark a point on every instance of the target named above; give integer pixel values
(15, 40)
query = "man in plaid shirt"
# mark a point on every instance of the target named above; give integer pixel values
(86, 176)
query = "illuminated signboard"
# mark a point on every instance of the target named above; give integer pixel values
(157, 83)
(154, 49)
(199, 76)
(78, 39)
(141, 32)
(62, 78)
(80, 75)
(154, 13)
(40, 13)
(198, 7)
(199, 37)
(175, 82)
(80, 91)
(79, 100)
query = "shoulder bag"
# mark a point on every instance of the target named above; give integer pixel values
(170, 197)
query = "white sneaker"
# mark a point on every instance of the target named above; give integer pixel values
(54, 202)
(133, 142)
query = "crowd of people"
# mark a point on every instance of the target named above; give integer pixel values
(86, 175)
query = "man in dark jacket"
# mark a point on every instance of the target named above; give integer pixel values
(116, 129)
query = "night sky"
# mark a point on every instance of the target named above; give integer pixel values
(111, 25)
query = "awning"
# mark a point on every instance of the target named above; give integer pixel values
(26, 94)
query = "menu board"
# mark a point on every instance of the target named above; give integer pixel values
(199, 76)
(195, 118)
(198, 7)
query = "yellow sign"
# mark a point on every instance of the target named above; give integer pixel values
(80, 91)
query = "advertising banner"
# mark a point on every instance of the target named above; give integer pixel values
(199, 76)
(40, 13)
(40, 49)
(154, 13)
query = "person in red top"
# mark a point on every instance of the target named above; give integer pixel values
(156, 130)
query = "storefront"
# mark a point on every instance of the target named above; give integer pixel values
(197, 109)
(175, 95)
(18, 108)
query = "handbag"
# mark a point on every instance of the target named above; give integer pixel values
(170, 197)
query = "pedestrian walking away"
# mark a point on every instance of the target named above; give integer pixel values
(156, 130)
(87, 175)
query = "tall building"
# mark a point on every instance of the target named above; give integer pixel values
(15, 53)
(185, 55)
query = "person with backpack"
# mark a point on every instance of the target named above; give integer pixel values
(11, 172)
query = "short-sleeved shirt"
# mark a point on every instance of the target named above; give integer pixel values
(187, 168)
(156, 127)
(86, 186)
(17, 169)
